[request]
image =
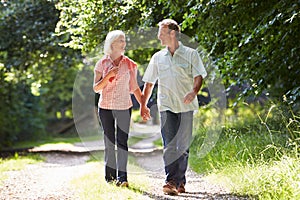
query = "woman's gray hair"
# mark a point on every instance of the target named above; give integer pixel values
(110, 38)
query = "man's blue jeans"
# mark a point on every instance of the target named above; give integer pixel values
(115, 165)
(176, 130)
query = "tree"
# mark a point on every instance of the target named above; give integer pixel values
(253, 43)
(88, 22)
(36, 73)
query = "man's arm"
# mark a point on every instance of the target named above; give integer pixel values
(147, 91)
(189, 97)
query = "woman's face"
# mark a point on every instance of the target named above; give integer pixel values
(118, 46)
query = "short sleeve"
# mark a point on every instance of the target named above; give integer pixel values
(151, 73)
(133, 85)
(197, 65)
(99, 66)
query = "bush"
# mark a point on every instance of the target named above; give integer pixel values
(22, 116)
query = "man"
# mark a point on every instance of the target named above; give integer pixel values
(179, 71)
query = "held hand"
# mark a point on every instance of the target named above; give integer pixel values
(145, 113)
(112, 73)
(189, 97)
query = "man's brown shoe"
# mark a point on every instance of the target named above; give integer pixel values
(181, 188)
(122, 184)
(170, 188)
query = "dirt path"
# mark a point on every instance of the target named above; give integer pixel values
(45, 181)
(50, 180)
(196, 188)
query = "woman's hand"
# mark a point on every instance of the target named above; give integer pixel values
(112, 73)
(145, 113)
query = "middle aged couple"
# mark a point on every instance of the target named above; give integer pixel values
(179, 71)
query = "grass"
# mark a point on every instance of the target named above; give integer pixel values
(158, 143)
(135, 115)
(135, 139)
(55, 141)
(92, 186)
(48, 141)
(274, 180)
(17, 163)
(257, 153)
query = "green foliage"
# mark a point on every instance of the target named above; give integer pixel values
(54, 142)
(275, 180)
(252, 42)
(36, 73)
(88, 22)
(234, 147)
(257, 153)
(251, 134)
(22, 114)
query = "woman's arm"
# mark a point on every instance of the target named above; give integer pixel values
(138, 95)
(99, 82)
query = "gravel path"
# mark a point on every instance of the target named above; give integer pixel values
(50, 180)
(45, 181)
(196, 188)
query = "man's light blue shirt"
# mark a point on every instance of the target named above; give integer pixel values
(175, 75)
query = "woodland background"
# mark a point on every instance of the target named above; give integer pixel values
(254, 45)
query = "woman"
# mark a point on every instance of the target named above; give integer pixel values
(115, 79)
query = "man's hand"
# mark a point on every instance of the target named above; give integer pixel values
(145, 113)
(189, 97)
(144, 110)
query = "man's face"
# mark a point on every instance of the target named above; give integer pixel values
(164, 35)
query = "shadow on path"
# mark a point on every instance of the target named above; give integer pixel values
(147, 156)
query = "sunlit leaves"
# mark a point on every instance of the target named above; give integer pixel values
(252, 42)
(36, 74)
(87, 22)
(249, 40)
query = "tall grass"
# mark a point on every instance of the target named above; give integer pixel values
(257, 153)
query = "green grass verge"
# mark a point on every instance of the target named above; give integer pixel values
(55, 141)
(135, 115)
(47, 141)
(92, 186)
(17, 163)
(275, 180)
(256, 155)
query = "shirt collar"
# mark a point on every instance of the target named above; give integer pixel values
(109, 58)
(179, 49)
